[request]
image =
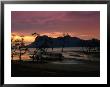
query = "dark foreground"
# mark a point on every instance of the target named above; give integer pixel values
(30, 69)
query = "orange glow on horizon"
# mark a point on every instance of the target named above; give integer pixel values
(26, 38)
(29, 38)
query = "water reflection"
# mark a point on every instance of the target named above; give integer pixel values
(69, 52)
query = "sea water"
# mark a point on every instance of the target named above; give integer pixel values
(68, 53)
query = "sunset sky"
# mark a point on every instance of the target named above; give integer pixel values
(82, 24)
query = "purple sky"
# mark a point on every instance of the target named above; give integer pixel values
(83, 24)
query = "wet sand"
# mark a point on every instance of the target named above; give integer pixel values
(34, 69)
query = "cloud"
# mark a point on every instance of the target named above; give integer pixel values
(57, 34)
(83, 35)
(55, 21)
(45, 18)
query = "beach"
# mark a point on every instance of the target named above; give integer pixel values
(55, 69)
(73, 64)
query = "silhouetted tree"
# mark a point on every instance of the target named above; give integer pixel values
(64, 40)
(13, 48)
(42, 45)
(20, 47)
(36, 35)
(51, 42)
(92, 45)
(36, 54)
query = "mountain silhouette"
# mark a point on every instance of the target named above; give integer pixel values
(66, 41)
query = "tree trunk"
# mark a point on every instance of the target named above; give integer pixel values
(12, 56)
(62, 49)
(20, 55)
(33, 58)
(52, 48)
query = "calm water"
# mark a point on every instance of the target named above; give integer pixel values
(69, 52)
(56, 50)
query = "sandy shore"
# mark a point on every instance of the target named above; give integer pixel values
(30, 69)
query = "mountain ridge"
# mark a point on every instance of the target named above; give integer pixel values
(66, 41)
